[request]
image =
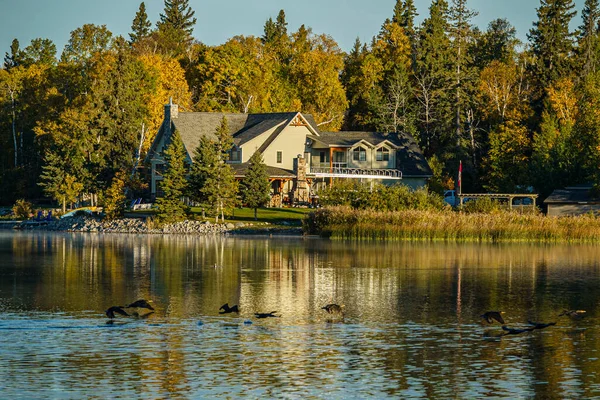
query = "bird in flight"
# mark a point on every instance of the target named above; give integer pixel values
(490, 316)
(333, 309)
(574, 314)
(266, 315)
(226, 309)
(141, 304)
(512, 331)
(110, 313)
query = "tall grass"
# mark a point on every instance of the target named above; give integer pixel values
(501, 226)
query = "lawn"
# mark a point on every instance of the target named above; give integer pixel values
(270, 215)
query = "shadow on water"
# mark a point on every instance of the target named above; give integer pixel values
(411, 325)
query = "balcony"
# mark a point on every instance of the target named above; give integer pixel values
(356, 173)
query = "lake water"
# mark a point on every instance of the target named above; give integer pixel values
(411, 327)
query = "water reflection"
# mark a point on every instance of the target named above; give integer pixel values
(411, 325)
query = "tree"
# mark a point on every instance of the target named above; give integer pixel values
(14, 58)
(40, 51)
(404, 15)
(551, 41)
(175, 27)
(174, 184)
(220, 187)
(58, 182)
(256, 188)
(204, 164)
(140, 28)
(588, 37)
(85, 42)
(114, 198)
(497, 43)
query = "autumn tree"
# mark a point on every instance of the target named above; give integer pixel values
(255, 188)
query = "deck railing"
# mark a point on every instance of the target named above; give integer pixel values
(344, 172)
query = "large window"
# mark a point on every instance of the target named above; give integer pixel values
(382, 154)
(279, 157)
(359, 154)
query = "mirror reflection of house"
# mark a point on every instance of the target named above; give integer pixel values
(300, 158)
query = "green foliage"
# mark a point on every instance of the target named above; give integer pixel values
(58, 180)
(22, 209)
(170, 206)
(255, 188)
(85, 42)
(379, 197)
(483, 205)
(140, 27)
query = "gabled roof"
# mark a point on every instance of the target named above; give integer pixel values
(273, 172)
(350, 138)
(243, 127)
(410, 160)
(571, 196)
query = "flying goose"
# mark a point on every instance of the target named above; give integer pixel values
(226, 309)
(490, 316)
(110, 313)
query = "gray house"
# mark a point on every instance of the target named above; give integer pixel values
(300, 159)
(575, 200)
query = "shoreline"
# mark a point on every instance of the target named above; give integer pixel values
(137, 226)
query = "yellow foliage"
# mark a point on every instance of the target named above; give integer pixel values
(170, 83)
(563, 101)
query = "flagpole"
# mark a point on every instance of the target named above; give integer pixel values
(460, 178)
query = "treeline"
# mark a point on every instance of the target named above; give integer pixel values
(517, 114)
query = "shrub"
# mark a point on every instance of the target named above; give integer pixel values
(22, 209)
(483, 205)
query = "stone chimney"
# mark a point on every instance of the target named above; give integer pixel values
(301, 189)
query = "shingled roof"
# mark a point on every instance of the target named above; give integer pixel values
(273, 172)
(571, 196)
(243, 127)
(410, 160)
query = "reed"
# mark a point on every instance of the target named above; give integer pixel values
(501, 226)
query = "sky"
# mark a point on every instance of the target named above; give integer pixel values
(217, 21)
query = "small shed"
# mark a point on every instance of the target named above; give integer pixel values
(574, 200)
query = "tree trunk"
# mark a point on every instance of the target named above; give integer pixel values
(255, 213)
(64, 205)
(14, 131)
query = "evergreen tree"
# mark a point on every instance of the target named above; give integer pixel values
(433, 79)
(461, 35)
(256, 188)
(174, 184)
(404, 15)
(204, 165)
(220, 187)
(497, 43)
(588, 37)
(551, 41)
(140, 28)
(177, 22)
(58, 182)
(114, 198)
(14, 58)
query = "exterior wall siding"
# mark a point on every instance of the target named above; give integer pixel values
(563, 210)
(290, 142)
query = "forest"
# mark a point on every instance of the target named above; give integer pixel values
(520, 116)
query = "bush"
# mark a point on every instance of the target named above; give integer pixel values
(22, 209)
(483, 205)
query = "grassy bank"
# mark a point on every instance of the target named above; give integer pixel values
(501, 226)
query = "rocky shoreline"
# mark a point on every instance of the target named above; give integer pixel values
(139, 226)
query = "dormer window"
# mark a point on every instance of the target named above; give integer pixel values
(235, 154)
(382, 154)
(359, 154)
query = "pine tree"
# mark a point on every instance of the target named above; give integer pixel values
(174, 184)
(220, 187)
(497, 43)
(14, 58)
(433, 79)
(40, 51)
(551, 40)
(178, 17)
(404, 15)
(588, 37)
(114, 198)
(141, 25)
(204, 164)
(256, 188)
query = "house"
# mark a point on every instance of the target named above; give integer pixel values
(300, 158)
(574, 200)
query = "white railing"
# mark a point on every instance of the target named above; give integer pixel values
(355, 173)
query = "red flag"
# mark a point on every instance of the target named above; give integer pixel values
(460, 178)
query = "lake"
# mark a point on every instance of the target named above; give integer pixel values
(411, 329)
